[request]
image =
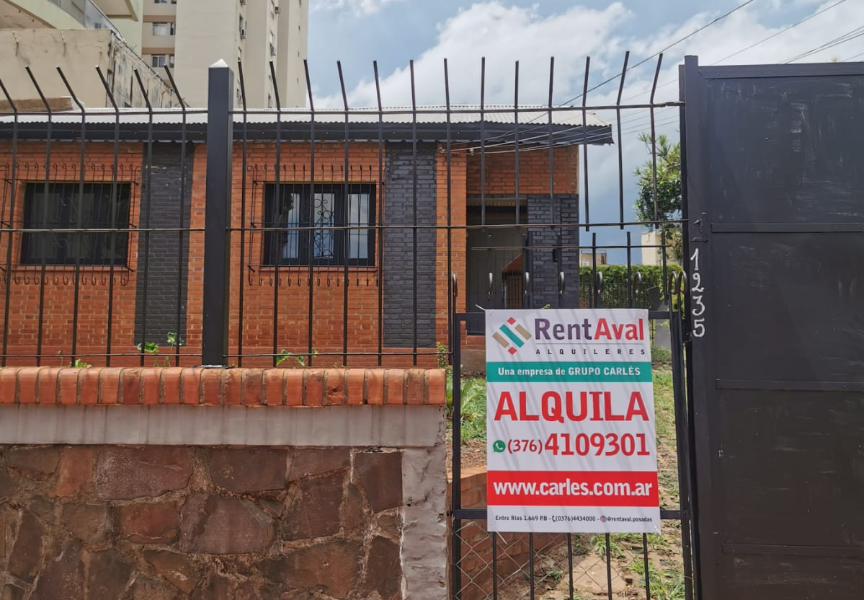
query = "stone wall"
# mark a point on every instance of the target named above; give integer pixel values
(343, 507)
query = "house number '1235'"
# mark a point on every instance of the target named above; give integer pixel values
(697, 290)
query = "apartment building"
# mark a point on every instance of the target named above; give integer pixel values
(191, 35)
(76, 36)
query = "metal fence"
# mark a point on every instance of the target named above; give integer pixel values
(319, 236)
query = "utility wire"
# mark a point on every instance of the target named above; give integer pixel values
(751, 46)
(846, 37)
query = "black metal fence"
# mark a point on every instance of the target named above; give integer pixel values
(318, 236)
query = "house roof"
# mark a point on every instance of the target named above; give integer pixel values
(496, 123)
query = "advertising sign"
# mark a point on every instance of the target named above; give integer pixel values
(571, 443)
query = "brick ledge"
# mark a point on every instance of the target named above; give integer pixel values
(221, 387)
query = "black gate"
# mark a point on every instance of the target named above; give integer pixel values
(543, 251)
(774, 159)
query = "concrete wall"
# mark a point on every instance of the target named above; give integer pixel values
(342, 501)
(77, 52)
(209, 31)
(293, 50)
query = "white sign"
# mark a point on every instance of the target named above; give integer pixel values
(571, 443)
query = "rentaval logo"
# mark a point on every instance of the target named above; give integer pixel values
(511, 337)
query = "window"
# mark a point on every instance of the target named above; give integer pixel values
(163, 28)
(161, 2)
(329, 209)
(158, 60)
(171, 60)
(66, 207)
(272, 44)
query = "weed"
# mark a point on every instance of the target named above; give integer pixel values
(173, 339)
(441, 355)
(79, 364)
(661, 356)
(285, 355)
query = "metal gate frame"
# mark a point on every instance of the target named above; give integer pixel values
(684, 437)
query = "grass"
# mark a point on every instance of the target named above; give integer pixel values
(472, 405)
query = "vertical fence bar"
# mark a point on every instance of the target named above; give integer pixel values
(414, 182)
(44, 238)
(147, 213)
(585, 141)
(220, 100)
(516, 138)
(653, 141)
(277, 262)
(309, 217)
(456, 466)
(14, 200)
(113, 220)
(241, 276)
(181, 235)
(82, 171)
(346, 212)
(379, 231)
(620, 148)
(451, 307)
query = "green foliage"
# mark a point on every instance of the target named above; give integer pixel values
(285, 355)
(652, 275)
(441, 355)
(661, 356)
(473, 406)
(148, 347)
(668, 191)
(174, 339)
(79, 364)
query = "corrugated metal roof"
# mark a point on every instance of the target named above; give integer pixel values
(498, 114)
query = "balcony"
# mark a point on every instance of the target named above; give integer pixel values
(87, 13)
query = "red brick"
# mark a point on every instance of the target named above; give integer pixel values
(273, 386)
(109, 386)
(231, 386)
(171, 386)
(130, 386)
(395, 386)
(46, 382)
(436, 385)
(211, 381)
(88, 383)
(150, 385)
(8, 384)
(415, 392)
(293, 387)
(190, 386)
(375, 386)
(68, 384)
(314, 387)
(356, 386)
(252, 387)
(334, 391)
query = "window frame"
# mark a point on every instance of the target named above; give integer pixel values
(273, 240)
(33, 192)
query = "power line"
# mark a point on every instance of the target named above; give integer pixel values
(793, 26)
(751, 46)
(658, 53)
(853, 57)
(842, 39)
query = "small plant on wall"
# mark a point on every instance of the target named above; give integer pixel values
(173, 340)
(284, 355)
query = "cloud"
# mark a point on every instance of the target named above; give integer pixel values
(505, 34)
(356, 7)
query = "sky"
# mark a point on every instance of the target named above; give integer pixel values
(393, 32)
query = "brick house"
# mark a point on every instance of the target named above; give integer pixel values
(299, 245)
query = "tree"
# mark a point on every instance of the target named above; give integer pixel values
(668, 194)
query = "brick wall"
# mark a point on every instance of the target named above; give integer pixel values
(337, 509)
(275, 302)
(162, 294)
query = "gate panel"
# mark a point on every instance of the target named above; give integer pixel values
(775, 202)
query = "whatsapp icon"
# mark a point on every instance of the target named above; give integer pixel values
(499, 446)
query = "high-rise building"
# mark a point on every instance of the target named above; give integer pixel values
(191, 35)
